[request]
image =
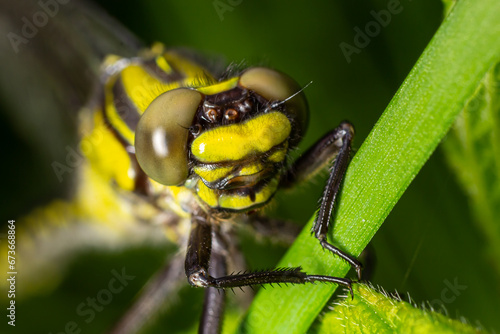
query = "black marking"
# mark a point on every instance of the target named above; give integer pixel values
(141, 180)
(153, 69)
(251, 194)
(125, 108)
(126, 145)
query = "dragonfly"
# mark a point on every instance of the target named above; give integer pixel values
(166, 141)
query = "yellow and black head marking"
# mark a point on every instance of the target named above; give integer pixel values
(168, 143)
(228, 142)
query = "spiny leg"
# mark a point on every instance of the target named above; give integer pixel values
(213, 306)
(345, 133)
(199, 251)
(197, 260)
(334, 145)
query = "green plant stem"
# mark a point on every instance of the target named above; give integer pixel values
(384, 314)
(418, 117)
(472, 148)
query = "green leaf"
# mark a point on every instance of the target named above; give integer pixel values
(472, 149)
(418, 117)
(374, 312)
(448, 5)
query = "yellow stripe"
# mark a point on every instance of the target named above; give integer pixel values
(156, 49)
(107, 155)
(114, 118)
(251, 169)
(237, 141)
(278, 155)
(188, 69)
(207, 195)
(219, 87)
(231, 201)
(142, 88)
(210, 173)
(234, 202)
(162, 63)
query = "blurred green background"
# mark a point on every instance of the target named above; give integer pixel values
(429, 242)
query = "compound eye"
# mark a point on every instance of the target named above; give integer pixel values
(275, 86)
(162, 134)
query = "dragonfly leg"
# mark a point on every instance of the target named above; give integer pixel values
(335, 145)
(197, 262)
(213, 306)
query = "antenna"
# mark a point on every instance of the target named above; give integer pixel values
(276, 104)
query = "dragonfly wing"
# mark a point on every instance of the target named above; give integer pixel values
(50, 63)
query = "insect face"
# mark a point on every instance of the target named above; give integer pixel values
(229, 141)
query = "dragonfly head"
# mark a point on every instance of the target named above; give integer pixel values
(229, 141)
